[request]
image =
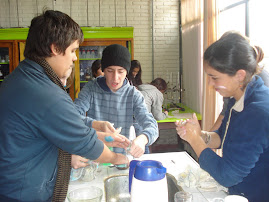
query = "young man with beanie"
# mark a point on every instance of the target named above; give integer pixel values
(111, 99)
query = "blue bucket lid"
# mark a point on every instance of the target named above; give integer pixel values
(149, 170)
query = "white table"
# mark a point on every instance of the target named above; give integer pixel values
(175, 162)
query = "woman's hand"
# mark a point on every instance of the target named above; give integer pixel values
(78, 161)
(189, 130)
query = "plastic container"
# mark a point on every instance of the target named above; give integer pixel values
(86, 194)
(89, 172)
(147, 181)
(132, 136)
(183, 196)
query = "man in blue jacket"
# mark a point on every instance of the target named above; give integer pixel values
(39, 125)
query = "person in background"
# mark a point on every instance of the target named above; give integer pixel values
(135, 73)
(265, 77)
(111, 98)
(153, 94)
(40, 126)
(231, 64)
(96, 69)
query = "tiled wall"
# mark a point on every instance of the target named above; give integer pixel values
(109, 13)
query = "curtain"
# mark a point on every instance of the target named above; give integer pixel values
(210, 35)
(192, 51)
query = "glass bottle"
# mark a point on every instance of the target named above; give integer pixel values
(83, 54)
(88, 54)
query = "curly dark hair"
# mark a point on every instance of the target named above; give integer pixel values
(52, 27)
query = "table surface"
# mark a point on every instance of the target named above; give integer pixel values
(176, 164)
(183, 114)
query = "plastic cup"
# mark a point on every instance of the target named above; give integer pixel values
(89, 172)
(86, 194)
(183, 196)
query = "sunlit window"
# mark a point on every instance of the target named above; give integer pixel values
(228, 21)
(258, 27)
(248, 17)
(224, 4)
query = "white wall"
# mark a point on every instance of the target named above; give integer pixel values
(136, 13)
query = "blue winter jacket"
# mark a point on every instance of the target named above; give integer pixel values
(36, 118)
(244, 167)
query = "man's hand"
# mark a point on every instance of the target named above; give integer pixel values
(113, 139)
(78, 161)
(138, 146)
(103, 126)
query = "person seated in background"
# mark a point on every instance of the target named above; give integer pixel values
(111, 99)
(265, 77)
(96, 69)
(135, 73)
(153, 95)
(231, 64)
(40, 126)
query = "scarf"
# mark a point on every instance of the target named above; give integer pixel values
(64, 158)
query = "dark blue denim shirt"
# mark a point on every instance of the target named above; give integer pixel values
(37, 117)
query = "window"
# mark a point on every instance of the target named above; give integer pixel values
(249, 18)
(232, 18)
(258, 27)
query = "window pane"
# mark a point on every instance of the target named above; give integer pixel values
(258, 27)
(232, 19)
(224, 3)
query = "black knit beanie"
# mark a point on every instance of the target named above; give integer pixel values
(116, 55)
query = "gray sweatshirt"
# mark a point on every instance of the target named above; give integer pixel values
(154, 100)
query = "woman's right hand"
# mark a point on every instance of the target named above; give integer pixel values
(189, 130)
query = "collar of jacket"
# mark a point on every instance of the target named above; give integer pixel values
(254, 83)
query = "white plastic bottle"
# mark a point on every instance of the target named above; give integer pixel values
(132, 136)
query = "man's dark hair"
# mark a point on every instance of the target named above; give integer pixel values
(160, 84)
(51, 27)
